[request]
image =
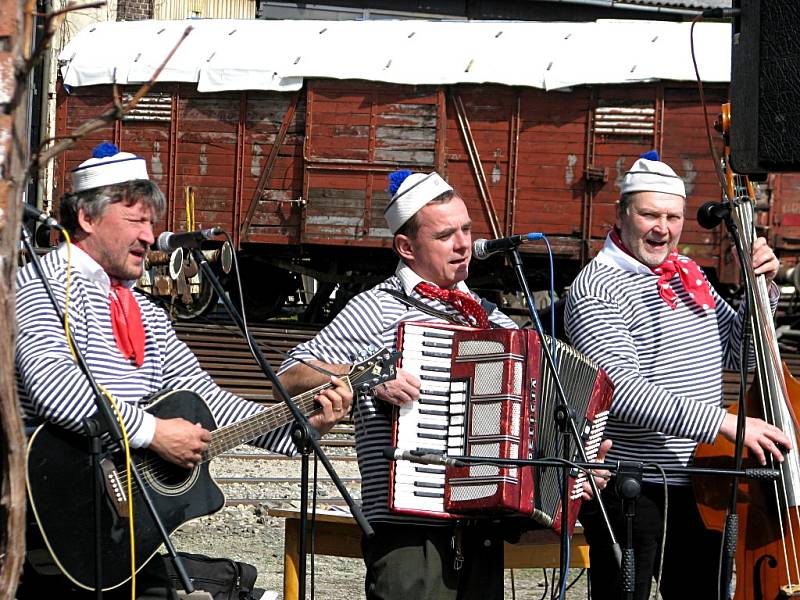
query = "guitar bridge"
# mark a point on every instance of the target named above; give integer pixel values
(114, 487)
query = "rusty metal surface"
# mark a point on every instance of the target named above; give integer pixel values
(223, 352)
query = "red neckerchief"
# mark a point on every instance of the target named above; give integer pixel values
(687, 270)
(465, 304)
(126, 323)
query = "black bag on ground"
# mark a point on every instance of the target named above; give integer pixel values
(223, 578)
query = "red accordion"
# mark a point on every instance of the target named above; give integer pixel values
(489, 394)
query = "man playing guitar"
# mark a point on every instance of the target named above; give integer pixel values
(128, 342)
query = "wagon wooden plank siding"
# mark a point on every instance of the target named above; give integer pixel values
(356, 133)
(275, 124)
(295, 165)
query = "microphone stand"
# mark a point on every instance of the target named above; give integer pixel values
(629, 487)
(564, 419)
(763, 473)
(305, 437)
(104, 422)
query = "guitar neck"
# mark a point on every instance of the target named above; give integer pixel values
(233, 435)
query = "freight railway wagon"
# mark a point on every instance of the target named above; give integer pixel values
(299, 176)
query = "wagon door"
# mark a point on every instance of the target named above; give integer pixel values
(356, 134)
(628, 120)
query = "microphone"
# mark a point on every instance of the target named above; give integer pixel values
(168, 241)
(33, 213)
(712, 214)
(423, 458)
(482, 249)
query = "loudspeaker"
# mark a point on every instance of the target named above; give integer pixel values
(765, 87)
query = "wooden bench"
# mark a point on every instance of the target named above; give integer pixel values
(338, 535)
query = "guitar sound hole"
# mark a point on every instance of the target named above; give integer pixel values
(168, 478)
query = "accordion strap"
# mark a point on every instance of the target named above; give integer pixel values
(409, 301)
(440, 314)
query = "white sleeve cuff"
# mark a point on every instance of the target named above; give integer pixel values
(774, 292)
(146, 432)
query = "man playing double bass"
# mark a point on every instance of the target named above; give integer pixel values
(650, 319)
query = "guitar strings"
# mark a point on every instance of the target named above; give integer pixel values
(253, 426)
(258, 424)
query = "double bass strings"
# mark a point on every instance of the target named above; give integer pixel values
(772, 385)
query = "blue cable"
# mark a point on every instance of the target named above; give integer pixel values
(541, 236)
(553, 352)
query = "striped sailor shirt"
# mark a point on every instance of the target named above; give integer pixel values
(368, 323)
(52, 387)
(666, 364)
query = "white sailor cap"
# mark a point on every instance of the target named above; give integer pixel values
(411, 191)
(106, 167)
(648, 174)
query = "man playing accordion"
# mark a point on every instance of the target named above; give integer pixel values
(410, 556)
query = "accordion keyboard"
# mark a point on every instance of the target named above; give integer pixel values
(434, 424)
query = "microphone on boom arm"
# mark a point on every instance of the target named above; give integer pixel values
(423, 458)
(168, 241)
(711, 214)
(482, 249)
(33, 213)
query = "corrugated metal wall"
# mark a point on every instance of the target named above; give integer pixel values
(205, 9)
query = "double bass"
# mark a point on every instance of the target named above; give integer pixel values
(767, 554)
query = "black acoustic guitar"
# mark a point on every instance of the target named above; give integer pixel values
(59, 477)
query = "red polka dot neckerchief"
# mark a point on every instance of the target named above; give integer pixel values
(465, 304)
(687, 270)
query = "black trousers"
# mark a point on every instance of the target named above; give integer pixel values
(413, 562)
(691, 557)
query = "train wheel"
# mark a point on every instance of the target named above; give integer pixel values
(196, 299)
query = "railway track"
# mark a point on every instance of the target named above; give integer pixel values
(253, 478)
(223, 352)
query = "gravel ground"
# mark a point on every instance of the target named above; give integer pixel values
(246, 532)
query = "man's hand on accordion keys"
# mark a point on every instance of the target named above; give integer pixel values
(401, 390)
(601, 476)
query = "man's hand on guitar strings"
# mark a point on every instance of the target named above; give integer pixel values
(334, 403)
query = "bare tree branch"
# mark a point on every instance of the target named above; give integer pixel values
(114, 114)
(17, 19)
(52, 22)
(13, 159)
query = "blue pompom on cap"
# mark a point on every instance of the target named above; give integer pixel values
(105, 149)
(650, 155)
(396, 179)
